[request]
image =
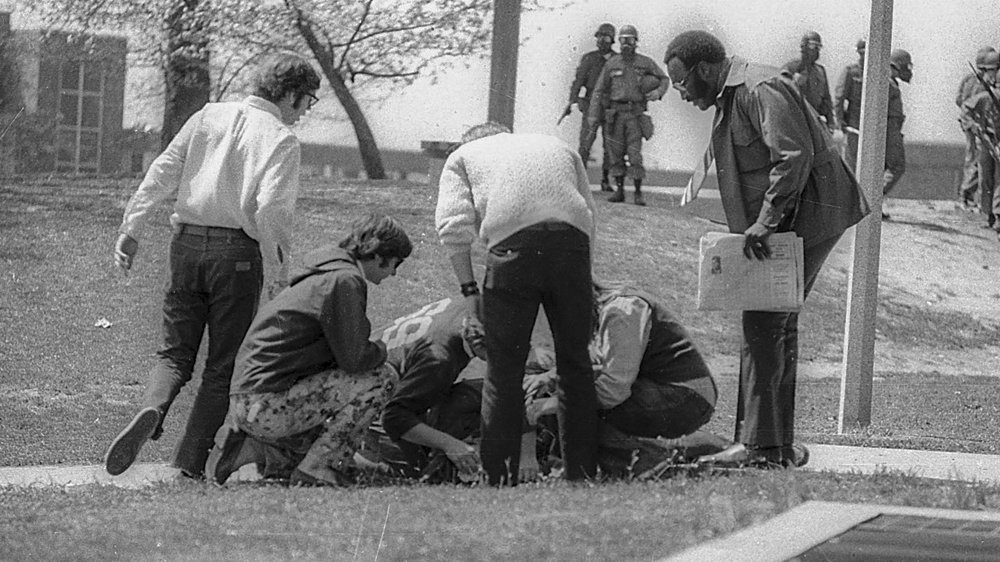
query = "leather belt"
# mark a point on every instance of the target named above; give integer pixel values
(210, 231)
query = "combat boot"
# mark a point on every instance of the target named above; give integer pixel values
(605, 184)
(619, 195)
(639, 200)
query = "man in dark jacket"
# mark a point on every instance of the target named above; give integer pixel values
(436, 406)
(307, 366)
(778, 171)
(586, 78)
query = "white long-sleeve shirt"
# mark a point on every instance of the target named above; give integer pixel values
(233, 165)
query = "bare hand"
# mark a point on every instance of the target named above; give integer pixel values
(125, 249)
(541, 407)
(466, 460)
(755, 242)
(541, 383)
(653, 95)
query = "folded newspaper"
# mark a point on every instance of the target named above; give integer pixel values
(728, 280)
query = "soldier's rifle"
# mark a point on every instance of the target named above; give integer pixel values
(983, 125)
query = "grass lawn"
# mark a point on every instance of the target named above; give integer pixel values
(616, 521)
(68, 386)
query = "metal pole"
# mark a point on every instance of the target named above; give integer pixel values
(503, 61)
(862, 294)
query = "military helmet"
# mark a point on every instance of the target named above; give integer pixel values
(628, 31)
(900, 59)
(812, 37)
(987, 57)
(606, 29)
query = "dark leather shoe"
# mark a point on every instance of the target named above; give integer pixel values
(126, 446)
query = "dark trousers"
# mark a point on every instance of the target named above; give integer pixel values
(660, 410)
(548, 267)
(624, 139)
(987, 186)
(587, 141)
(970, 168)
(215, 282)
(851, 153)
(895, 159)
(765, 410)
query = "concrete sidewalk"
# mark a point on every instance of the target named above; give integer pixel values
(938, 465)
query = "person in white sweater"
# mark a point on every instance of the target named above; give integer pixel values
(526, 197)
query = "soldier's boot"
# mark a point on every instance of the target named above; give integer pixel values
(619, 195)
(605, 184)
(639, 200)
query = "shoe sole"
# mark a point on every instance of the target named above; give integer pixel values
(219, 466)
(125, 448)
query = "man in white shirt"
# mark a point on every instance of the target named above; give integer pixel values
(234, 170)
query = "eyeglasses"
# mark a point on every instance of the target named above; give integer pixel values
(313, 100)
(681, 84)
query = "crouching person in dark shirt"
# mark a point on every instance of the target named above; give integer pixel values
(308, 381)
(652, 383)
(434, 412)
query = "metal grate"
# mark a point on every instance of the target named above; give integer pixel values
(911, 537)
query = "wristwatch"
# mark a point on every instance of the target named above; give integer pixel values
(469, 289)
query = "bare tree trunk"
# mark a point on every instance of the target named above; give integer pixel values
(371, 158)
(185, 74)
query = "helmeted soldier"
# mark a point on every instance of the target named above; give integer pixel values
(847, 103)
(582, 89)
(811, 77)
(987, 61)
(627, 82)
(980, 116)
(901, 67)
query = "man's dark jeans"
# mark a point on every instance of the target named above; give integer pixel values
(216, 278)
(765, 410)
(549, 265)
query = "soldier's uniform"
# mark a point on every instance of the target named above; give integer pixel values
(979, 111)
(587, 73)
(895, 154)
(812, 81)
(986, 59)
(847, 105)
(620, 102)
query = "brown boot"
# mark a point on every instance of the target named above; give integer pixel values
(639, 200)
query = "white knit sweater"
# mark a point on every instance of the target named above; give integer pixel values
(495, 186)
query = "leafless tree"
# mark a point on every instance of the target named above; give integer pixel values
(360, 45)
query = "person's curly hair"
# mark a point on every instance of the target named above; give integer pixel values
(692, 47)
(486, 129)
(285, 73)
(377, 235)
